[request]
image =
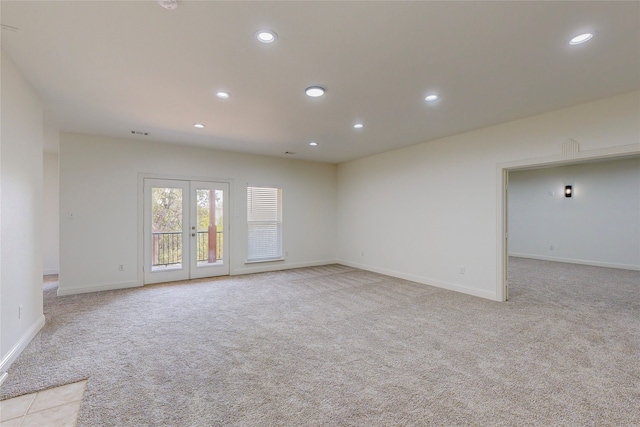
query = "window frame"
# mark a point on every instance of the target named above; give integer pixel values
(250, 198)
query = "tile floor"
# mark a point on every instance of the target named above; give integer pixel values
(56, 407)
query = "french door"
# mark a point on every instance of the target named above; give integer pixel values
(186, 227)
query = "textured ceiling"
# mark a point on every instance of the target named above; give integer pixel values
(109, 67)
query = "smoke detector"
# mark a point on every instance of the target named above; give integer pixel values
(168, 4)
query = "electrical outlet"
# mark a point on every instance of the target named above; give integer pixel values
(551, 247)
(19, 312)
(362, 253)
(462, 270)
(120, 267)
(286, 253)
(71, 215)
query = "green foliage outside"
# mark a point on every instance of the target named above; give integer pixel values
(167, 218)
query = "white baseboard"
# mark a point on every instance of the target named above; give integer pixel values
(577, 261)
(256, 268)
(50, 272)
(424, 280)
(97, 288)
(22, 343)
(275, 266)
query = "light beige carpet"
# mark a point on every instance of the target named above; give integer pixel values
(336, 346)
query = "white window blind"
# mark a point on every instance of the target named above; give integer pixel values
(264, 223)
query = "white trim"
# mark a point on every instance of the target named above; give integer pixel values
(19, 347)
(263, 268)
(278, 222)
(559, 160)
(50, 272)
(502, 288)
(3, 377)
(258, 261)
(577, 261)
(145, 175)
(175, 273)
(140, 228)
(220, 267)
(424, 280)
(565, 158)
(98, 288)
(174, 177)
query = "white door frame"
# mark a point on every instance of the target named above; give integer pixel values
(140, 228)
(571, 154)
(175, 273)
(209, 270)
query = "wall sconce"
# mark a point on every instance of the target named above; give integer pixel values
(568, 191)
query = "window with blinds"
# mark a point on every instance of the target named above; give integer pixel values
(264, 223)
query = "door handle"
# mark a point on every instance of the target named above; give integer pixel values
(193, 234)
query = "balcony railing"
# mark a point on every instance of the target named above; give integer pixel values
(167, 248)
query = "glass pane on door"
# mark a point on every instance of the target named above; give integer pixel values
(210, 227)
(166, 228)
(185, 229)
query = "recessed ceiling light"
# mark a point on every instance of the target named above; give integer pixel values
(431, 98)
(198, 125)
(358, 126)
(582, 38)
(223, 95)
(266, 36)
(314, 91)
(313, 144)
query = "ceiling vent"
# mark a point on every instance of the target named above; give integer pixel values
(138, 132)
(9, 28)
(168, 4)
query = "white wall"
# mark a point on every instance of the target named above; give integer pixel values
(21, 213)
(51, 142)
(423, 212)
(51, 221)
(599, 225)
(99, 184)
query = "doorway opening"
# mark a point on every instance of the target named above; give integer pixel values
(576, 158)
